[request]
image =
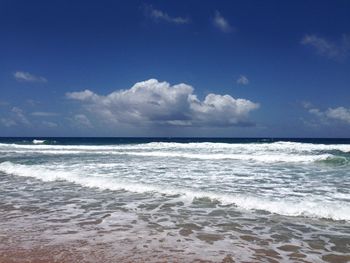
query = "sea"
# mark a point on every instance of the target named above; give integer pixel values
(174, 200)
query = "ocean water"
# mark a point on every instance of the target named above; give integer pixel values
(177, 200)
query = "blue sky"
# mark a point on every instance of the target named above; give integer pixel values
(175, 68)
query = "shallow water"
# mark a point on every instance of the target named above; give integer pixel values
(175, 201)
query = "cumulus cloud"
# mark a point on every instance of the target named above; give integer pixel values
(333, 50)
(221, 23)
(341, 114)
(243, 80)
(158, 15)
(82, 95)
(158, 103)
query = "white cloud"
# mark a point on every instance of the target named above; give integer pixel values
(82, 95)
(316, 112)
(81, 120)
(20, 116)
(327, 48)
(44, 114)
(8, 122)
(27, 77)
(221, 23)
(341, 114)
(32, 103)
(157, 14)
(49, 124)
(243, 80)
(16, 117)
(158, 103)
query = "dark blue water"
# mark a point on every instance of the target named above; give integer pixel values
(136, 140)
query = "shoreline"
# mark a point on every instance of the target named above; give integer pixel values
(96, 254)
(159, 202)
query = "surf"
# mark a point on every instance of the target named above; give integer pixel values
(304, 207)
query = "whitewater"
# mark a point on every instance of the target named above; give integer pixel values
(276, 182)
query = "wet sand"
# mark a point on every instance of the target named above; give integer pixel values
(91, 242)
(83, 253)
(63, 222)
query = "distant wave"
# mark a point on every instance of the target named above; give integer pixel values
(308, 207)
(263, 158)
(252, 147)
(35, 141)
(276, 152)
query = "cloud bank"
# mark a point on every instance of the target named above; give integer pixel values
(152, 102)
(27, 77)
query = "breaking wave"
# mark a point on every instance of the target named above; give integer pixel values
(307, 206)
(275, 146)
(285, 152)
(35, 141)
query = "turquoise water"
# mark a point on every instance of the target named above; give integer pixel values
(254, 199)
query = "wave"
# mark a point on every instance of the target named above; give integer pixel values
(266, 146)
(307, 207)
(262, 158)
(275, 146)
(277, 152)
(35, 141)
(265, 158)
(335, 161)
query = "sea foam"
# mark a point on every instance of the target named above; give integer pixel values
(210, 146)
(307, 206)
(287, 152)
